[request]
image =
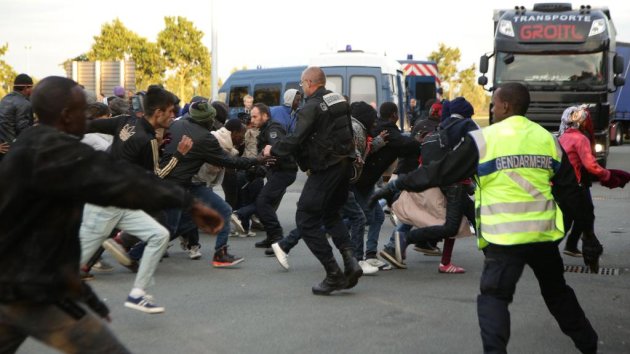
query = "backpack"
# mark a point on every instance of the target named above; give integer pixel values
(436, 144)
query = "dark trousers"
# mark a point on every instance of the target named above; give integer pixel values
(458, 204)
(74, 330)
(248, 194)
(573, 228)
(270, 197)
(503, 267)
(231, 187)
(323, 195)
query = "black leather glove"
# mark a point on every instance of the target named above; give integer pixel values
(388, 192)
(591, 250)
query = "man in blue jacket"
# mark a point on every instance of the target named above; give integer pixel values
(286, 114)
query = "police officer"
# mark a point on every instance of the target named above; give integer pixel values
(280, 176)
(521, 173)
(324, 146)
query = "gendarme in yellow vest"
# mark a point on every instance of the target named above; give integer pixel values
(517, 159)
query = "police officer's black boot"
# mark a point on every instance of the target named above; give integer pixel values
(353, 270)
(335, 280)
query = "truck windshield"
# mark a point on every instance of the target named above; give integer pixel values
(574, 70)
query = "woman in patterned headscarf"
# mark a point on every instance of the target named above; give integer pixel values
(578, 149)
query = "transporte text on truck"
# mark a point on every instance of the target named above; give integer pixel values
(565, 57)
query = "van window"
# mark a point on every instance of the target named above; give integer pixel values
(236, 95)
(292, 85)
(334, 83)
(268, 94)
(363, 88)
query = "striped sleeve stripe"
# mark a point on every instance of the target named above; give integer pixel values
(156, 163)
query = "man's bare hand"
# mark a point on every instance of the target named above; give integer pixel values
(184, 145)
(384, 134)
(266, 160)
(4, 148)
(207, 219)
(267, 151)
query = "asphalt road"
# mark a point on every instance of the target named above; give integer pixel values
(260, 308)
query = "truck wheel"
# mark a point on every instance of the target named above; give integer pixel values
(619, 134)
(617, 137)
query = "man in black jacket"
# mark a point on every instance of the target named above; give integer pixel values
(47, 177)
(15, 110)
(324, 145)
(279, 177)
(398, 145)
(135, 141)
(205, 149)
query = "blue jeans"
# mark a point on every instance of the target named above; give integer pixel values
(401, 228)
(207, 196)
(356, 219)
(181, 223)
(290, 241)
(374, 220)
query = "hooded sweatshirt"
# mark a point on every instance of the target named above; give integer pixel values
(213, 175)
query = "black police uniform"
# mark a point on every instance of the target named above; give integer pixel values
(280, 176)
(323, 142)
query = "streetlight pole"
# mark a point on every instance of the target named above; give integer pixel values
(28, 59)
(214, 53)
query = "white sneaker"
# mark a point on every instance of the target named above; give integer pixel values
(281, 256)
(102, 267)
(236, 222)
(368, 269)
(375, 262)
(143, 303)
(249, 233)
(194, 252)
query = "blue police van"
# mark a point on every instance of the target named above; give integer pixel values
(360, 76)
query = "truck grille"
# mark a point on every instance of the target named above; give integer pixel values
(546, 114)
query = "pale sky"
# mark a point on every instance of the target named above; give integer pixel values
(43, 33)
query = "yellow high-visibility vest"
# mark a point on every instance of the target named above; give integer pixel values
(513, 200)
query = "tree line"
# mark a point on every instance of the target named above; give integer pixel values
(180, 61)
